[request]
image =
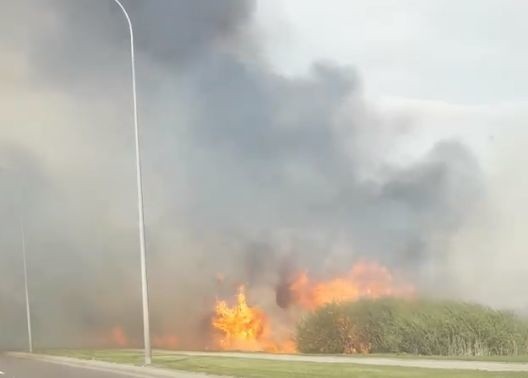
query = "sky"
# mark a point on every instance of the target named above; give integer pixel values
(276, 136)
(461, 66)
(456, 69)
(467, 53)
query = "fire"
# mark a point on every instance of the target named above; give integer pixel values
(167, 341)
(364, 280)
(119, 337)
(243, 327)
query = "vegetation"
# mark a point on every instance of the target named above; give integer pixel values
(259, 368)
(416, 327)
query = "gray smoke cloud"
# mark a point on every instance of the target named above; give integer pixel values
(248, 174)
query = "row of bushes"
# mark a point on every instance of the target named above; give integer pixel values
(412, 326)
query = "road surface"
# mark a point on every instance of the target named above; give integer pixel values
(19, 365)
(12, 367)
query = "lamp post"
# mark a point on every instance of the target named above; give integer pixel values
(26, 283)
(142, 244)
(26, 287)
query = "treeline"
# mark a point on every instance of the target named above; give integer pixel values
(412, 326)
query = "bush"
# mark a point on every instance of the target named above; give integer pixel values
(416, 327)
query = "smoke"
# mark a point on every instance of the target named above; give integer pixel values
(248, 174)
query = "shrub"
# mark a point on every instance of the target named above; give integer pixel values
(412, 326)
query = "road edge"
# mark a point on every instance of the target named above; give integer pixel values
(113, 367)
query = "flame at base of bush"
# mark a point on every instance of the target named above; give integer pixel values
(248, 328)
(242, 327)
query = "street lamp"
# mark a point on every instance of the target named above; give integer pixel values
(142, 247)
(26, 288)
(26, 285)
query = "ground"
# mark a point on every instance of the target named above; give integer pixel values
(260, 365)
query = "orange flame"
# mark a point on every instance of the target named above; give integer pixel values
(167, 341)
(243, 327)
(119, 337)
(364, 280)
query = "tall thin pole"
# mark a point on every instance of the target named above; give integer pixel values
(142, 244)
(28, 307)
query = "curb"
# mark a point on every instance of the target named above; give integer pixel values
(114, 368)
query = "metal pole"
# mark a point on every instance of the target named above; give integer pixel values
(142, 244)
(28, 308)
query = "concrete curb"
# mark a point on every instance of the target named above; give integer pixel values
(115, 368)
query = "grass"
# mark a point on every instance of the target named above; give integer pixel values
(521, 358)
(417, 327)
(259, 368)
(122, 356)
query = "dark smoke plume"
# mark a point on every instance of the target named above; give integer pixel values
(248, 174)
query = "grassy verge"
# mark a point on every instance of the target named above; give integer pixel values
(514, 359)
(404, 356)
(258, 368)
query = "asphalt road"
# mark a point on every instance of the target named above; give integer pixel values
(24, 365)
(12, 367)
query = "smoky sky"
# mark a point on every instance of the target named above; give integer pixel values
(248, 174)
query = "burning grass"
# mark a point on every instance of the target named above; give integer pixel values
(241, 326)
(366, 310)
(244, 327)
(237, 324)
